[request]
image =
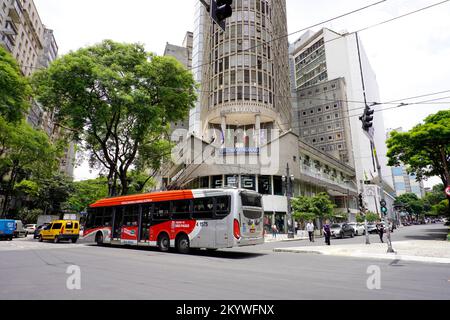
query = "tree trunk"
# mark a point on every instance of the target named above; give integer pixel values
(124, 182)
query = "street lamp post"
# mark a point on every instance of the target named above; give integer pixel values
(288, 180)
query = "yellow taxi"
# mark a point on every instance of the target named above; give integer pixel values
(61, 230)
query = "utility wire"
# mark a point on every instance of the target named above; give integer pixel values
(298, 31)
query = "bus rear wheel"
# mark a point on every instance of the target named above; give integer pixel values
(99, 238)
(183, 245)
(163, 242)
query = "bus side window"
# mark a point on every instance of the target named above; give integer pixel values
(98, 220)
(203, 208)
(181, 210)
(107, 217)
(222, 205)
(131, 216)
(161, 211)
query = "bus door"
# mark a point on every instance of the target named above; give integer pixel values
(222, 206)
(203, 214)
(130, 226)
(146, 223)
(117, 223)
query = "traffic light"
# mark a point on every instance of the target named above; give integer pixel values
(220, 11)
(367, 119)
(384, 209)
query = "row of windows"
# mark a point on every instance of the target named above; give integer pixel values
(245, 76)
(318, 90)
(318, 130)
(320, 120)
(239, 93)
(309, 51)
(202, 208)
(319, 109)
(249, 46)
(322, 77)
(261, 6)
(246, 61)
(338, 136)
(240, 31)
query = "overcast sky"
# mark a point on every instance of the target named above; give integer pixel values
(410, 56)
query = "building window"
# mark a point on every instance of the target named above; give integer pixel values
(265, 185)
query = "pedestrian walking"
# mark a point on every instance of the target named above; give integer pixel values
(274, 231)
(327, 232)
(310, 230)
(380, 230)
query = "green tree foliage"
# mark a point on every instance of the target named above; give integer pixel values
(24, 152)
(14, 89)
(87, 192)
(118, 100)
(372, 217)
(29, 216)
(425, 149)
(409, 202)
(140, 182)
(302, 209)
(310, 208)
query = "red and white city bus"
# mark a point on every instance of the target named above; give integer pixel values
(211, 219)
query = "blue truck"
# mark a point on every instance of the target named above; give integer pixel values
(7, 228)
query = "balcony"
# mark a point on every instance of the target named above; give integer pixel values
(10, 28)
(328, 180)
(16, 11)
(7, 43)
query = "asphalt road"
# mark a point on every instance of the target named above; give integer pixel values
(33, 270)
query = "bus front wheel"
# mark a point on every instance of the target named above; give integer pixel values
(164, 242)
(183, 244)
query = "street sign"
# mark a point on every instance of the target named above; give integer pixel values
(447, 191)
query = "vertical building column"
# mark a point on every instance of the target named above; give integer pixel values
(258, 129)
(224, 128)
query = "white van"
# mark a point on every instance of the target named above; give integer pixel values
(20, 230)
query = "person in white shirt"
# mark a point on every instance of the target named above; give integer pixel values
(310, 229)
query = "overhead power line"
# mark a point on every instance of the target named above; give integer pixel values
(301, 30)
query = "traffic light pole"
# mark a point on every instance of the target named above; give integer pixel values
(291, 231)
(386, 218)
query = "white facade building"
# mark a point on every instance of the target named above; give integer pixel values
(327, 55)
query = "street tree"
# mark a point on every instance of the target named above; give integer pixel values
(410, 203)
(118, 100)
(302, 209)
(14, 89)
(24, 152)
(425, 149)
(86, 193)
(311, 208)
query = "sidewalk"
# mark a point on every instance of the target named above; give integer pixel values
(283, 238)
(416, 250)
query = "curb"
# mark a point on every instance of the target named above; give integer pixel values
(386, 256)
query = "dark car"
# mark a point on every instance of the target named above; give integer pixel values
(37, 232)
(342, 230)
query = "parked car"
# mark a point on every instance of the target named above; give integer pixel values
(20, 230)
(358, 228)
(7, 228)
(372, 227)
(61, 230)
(31, 228)
(38, 230)
(341, 230)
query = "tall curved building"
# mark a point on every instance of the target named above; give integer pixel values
(244, 71)
(240, 130)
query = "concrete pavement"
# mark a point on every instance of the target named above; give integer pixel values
(415, 250)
